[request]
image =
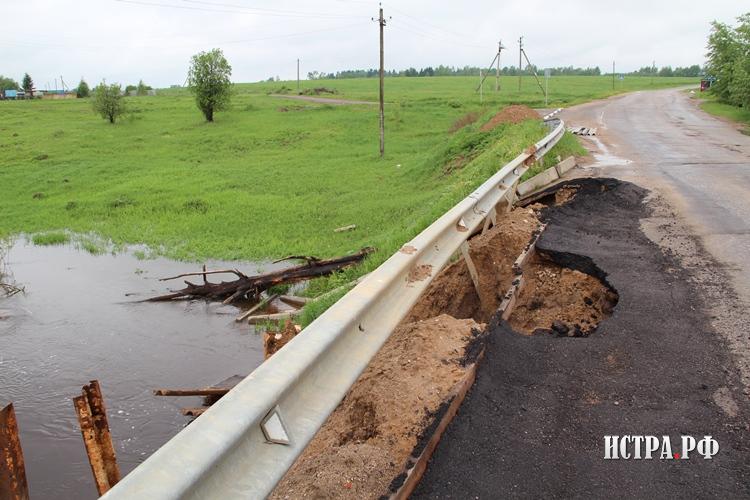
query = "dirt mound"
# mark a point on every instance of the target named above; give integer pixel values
(559, 301)
(318, 91)
(493, 253)
(368, 438)
(511, 114)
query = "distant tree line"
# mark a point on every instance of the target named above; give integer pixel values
(729, 61)
(688, 71)
(444, 71)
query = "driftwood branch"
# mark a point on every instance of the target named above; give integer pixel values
(204, 273)
(252, 286)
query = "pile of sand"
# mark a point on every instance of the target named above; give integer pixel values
(511, 114)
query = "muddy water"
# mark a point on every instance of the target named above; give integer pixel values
(76, 323)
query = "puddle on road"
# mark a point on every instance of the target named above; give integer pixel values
(75, 324)
(604, 158)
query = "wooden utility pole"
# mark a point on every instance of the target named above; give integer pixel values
(481, 87)
(520, 54)
(497, 68)
(298, 75)
(613, 75)
(381, 21)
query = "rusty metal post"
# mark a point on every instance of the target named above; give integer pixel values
(92, 417)
(13, 485)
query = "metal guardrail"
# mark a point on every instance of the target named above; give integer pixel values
(242, 446)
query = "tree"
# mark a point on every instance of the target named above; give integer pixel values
(209, 80)
(83, 89)
(108, 101)
(142, 88)
(729, 61)
(8, 83)
(28, 85)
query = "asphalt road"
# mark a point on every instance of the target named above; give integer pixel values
(700, 163)
(673, 358)
(699, 166)
(534, 424)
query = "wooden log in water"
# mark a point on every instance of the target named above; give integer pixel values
(252, 286)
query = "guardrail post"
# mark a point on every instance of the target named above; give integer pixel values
(472, 268)
(92, 417)
(13, 485)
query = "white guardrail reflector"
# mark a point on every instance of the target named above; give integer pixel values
(242, 446)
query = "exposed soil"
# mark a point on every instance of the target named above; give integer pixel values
(560, 301)
(368, 438)
(493, 253)
(511, 114)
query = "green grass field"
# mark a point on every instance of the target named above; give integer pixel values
(270, 177)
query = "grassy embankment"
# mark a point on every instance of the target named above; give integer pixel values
(711, 105)
(270, 177)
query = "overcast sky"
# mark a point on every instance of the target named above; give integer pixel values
(126, 40)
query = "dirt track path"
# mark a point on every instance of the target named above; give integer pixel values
(533, 425)
(322, 100)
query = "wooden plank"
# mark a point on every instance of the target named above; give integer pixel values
(472, 268)
(94, 452)
(92, 418)
(294, 300)
(490, 219)
(253, 320)
(13, 485)
(256, 307)
(415, 472)
(208, 391)
(93, 392)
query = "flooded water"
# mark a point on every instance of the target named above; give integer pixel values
(75, 323)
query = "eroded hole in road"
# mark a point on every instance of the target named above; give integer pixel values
(562, 301)
(493, 253)
(560, 195)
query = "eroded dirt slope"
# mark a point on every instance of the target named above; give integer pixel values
(365, 442)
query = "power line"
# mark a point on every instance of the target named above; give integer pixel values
(244, 10)
(289, 13)
(196, 44)
(408, 28)
(421, 21)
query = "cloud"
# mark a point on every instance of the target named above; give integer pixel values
(126, 40)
